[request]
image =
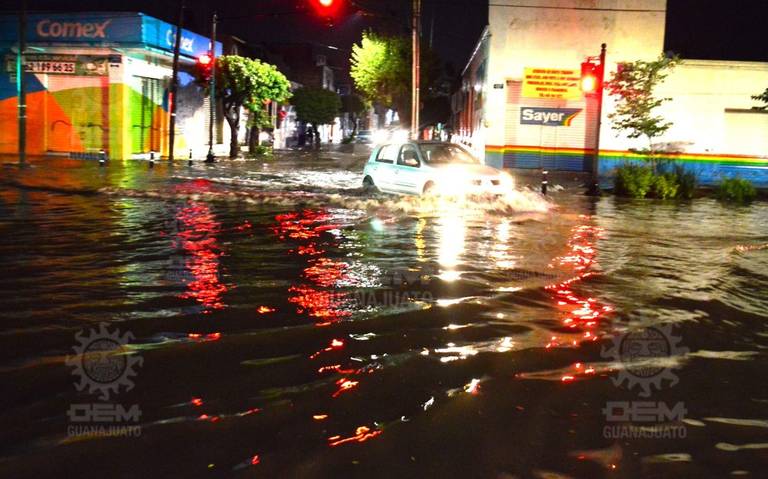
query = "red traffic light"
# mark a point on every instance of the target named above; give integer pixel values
(204, 67)
(589, 77)
(204, 59)
(327, 8)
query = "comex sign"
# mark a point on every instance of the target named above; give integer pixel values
(548, 116)
(187, 43)
(52, 29)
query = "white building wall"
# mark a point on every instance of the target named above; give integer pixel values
(561, 34)
(702, 92)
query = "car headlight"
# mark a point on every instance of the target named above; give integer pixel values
(452, 183)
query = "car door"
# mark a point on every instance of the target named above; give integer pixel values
(407, 178)
(382, 168)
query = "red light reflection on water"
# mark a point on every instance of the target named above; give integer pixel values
(318, 299)
(578, 312)
(198, 231)
(362, 434)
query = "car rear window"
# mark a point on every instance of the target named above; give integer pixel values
(388, 154)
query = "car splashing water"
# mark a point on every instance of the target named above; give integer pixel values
(290, 326)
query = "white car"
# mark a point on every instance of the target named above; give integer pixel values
(432, 167)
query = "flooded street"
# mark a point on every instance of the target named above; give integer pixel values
(285, 324)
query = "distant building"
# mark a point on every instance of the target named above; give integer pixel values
(520, 104)
(99, 82)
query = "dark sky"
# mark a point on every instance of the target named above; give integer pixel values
(715, 29)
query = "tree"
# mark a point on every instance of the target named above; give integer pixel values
(763, 97)
(354, 106)
(251, 84)
(633, 84)
(317, 106)
(381, 70)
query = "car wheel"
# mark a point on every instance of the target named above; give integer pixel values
(368, 185)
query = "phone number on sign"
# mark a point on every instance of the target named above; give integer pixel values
(49, 67)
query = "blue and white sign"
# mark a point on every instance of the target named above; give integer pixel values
(98, 29)
(547, 116)
(160, 34)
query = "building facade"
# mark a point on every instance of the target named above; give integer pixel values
(521, 105)
(99, 82)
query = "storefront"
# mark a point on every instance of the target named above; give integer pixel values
(521, 105)
(99, 82)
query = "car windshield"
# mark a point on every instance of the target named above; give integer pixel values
(446, 153)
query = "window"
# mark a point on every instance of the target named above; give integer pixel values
(387, 154)
(407, 151)
(443, 153)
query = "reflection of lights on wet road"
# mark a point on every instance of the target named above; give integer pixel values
(204, 337)
(198, 238)
(344, 385)
(319, 300)
(579, 313)
(473, 387)
(362, 434)
(451, 239)
(335, 344)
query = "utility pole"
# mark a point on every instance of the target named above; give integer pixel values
(21, 87)
(211, 158)
(175, 82)
(594, 187)
(416, 70)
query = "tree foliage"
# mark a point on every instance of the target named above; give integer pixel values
(381, 70)
(633, 84)
(251, 84)
(317, 106)
(763, 97)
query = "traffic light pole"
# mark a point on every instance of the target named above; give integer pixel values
(416, 69)
(210, 158)
(594, 186)
(21, 87)
(175, 82)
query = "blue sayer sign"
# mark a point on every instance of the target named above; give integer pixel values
(125, 29)
(547, 116)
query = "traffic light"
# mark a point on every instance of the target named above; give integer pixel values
(327, 9)
(204, 66)
(589, 77)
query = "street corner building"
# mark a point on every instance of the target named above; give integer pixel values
(521, 103)
(100, 82)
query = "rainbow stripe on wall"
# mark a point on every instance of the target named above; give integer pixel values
(710, 168)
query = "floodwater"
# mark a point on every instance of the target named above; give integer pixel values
(279, 323)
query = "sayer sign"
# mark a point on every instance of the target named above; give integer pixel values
(548, 116)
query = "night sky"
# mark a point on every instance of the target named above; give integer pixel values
(712, 29)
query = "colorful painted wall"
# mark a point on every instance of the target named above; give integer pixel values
(95, 82)
(83, 115)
